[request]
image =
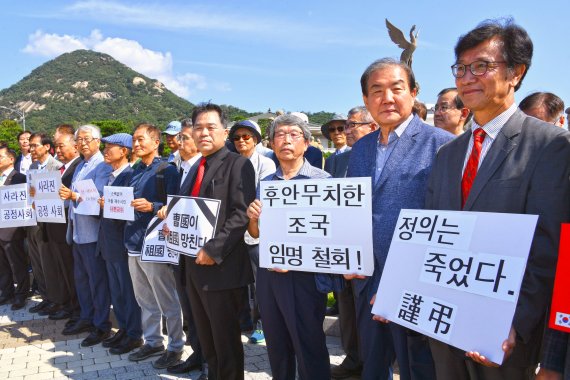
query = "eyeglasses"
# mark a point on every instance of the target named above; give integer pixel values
(443, 108)
(355, 124)
(339, 129)
(295, 135)
(183, 138)
(477, 68)
(244, 137)
(86, 140)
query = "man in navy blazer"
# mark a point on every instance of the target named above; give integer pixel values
(398, 158)
(523, 168)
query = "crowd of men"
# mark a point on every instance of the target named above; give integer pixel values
(485, 153)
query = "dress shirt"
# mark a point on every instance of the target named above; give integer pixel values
(383, 151)
(25, 163)
(342, 149)
(116, 173)
(5, 175)
(186, 165)
(492, 129)
(66, 166)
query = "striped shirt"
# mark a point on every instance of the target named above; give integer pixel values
(492, 129)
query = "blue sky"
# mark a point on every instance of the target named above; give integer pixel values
(295, 55)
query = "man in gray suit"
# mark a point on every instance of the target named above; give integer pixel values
(40, 147)
(510, 163)
(358, 124)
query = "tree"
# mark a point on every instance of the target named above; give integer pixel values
(110, 127)
(9, 130)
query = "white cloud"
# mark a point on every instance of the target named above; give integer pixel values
(154, 64)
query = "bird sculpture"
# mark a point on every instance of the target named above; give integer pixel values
(398, 38)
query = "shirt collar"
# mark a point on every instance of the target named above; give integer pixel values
(493, 127)
(116, 173)
(304, 171)
(399, 131)
(7, 172)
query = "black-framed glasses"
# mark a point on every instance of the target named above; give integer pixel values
(355, 124)
(86, 140)
(443, 108)
(477, 68)
(339, 129)
(244, 137)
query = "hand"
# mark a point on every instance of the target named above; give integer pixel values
(142, 205)
(165, 229)
(32, 191)
(204, 259)
(279, 270)
(65, 193)
(162, 214)
(254, 210)
(508, 347)
(353, 276)
(377, 317)
(101, 202)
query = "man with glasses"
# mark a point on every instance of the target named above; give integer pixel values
(83, 230)
(24, 159)
(217, 279)
(506, 162)
(398, 157)
(449, 112)
(333, 130)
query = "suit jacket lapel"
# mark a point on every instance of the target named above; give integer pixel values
(211, 169)
(505, 142)
(403, 146)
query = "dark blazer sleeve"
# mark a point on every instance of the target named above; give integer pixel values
(238, 194)
(548, 197)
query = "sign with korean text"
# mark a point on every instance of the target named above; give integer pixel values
(88, 197)
(191, 222)
(49, 206)
(455, 276)
(560, 310)
(154, 245)
(14, 208)
(118, 203)
(317, 225)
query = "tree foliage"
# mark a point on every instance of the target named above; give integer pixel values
(9, 130)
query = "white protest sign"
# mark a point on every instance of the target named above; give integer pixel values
(192, 222)
(317, 225)
(89, 195)
(154, 245)
(455, 276)
(118, 203)
(14, 208)
(49, 206)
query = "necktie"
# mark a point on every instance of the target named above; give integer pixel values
(199, 178)
(472, 165)
(62, 169)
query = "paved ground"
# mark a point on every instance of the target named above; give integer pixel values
(32, 347)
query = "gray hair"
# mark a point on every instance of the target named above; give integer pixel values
(93, 129)
(364, 113)
(381, 64)
(186, 123)
(289, 119)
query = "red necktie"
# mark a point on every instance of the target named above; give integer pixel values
(472, 165)
(62, 169)
(199, 177)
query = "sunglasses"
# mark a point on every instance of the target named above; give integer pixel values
(338, 129)
(244, 137)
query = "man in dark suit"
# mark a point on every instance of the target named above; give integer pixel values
(217, 279)
(509, 163)
(110, 245)
(61, 277)
(24, 159)
(359, 123)
(398, 157)
(40, 147)
(13, 258)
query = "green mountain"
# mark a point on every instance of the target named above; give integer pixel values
(84, 86)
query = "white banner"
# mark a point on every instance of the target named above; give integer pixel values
(154, 245)
(88, 197)
(118, 203)
(317, 225)
(14, 208)
(191, 222)
(455, 276)
(49, 206)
